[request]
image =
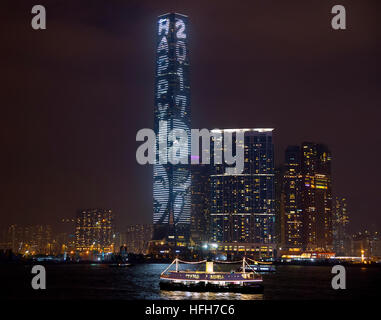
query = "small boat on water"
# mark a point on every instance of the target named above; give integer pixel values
(119, 265)
(209, 280)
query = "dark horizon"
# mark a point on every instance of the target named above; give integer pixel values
(76, 94)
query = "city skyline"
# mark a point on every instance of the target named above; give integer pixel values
(72, 148)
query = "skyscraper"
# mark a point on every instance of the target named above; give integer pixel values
(341, 242)
(278, 185)
(200, 203)
(243, 205)
(291, 200)
(316, 196)
(172, 182)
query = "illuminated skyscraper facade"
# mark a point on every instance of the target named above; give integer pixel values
(242, 207)
(95, 230)
(291, 206)
(316, 196)
(278, 182)
(341, 241)
(172, 182)
(200, 218)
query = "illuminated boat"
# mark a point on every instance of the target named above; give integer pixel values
(209, 280)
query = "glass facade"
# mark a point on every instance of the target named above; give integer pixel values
(172, 182)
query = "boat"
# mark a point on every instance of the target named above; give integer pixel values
(119, 265)
(209, 280)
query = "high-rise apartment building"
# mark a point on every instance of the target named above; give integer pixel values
(172, 182)
(291, 201)
(200, 208)
(316, 196)
(95, 230)
(341, 237)
(29, 240)
(366, 244)
(242, 207)
(278, 183)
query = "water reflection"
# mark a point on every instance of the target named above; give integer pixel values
(187, 295)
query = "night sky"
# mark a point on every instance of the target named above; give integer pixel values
(73, 96)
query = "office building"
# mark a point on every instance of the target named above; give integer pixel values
(172, 182)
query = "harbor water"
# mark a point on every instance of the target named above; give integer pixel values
(141, 281)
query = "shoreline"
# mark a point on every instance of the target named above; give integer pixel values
(133, 263)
